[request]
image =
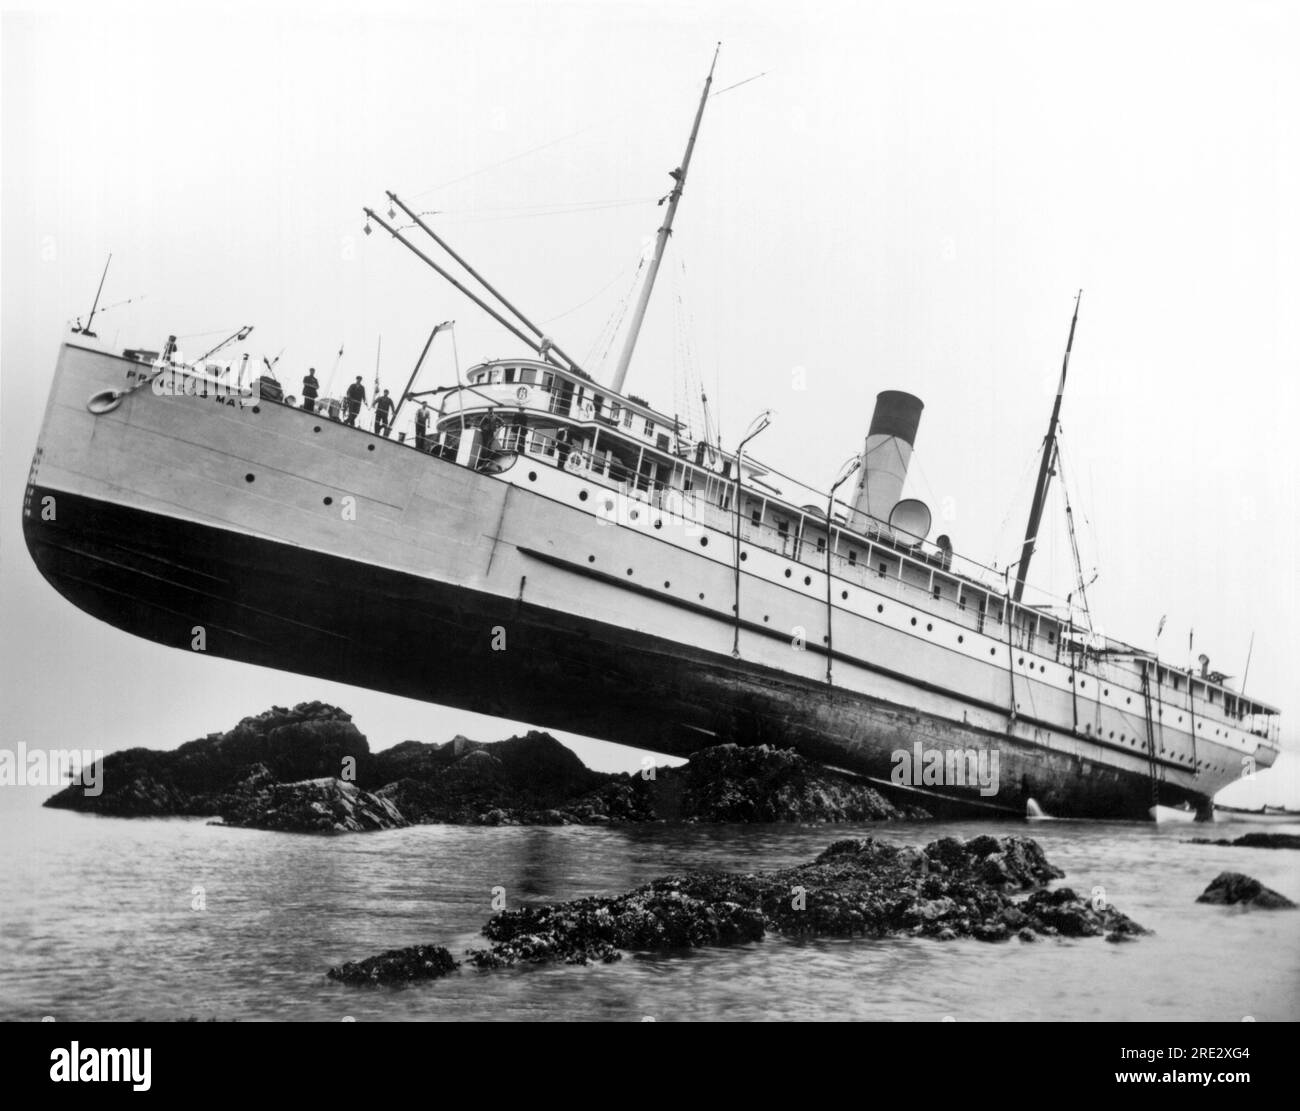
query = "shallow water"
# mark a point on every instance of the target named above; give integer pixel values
(97, 921)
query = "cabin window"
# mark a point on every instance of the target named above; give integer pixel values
(821, 545)
(598, 403)
(853, 557)
(755, 514)
(662, 442)
(528, 376)
(961, 601)
(627, 418)
(938, 591)
(548, 380)
(510, 374)
(649, 427)
(884, 568)
(615, 411)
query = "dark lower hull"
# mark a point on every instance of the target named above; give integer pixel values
(303, 611)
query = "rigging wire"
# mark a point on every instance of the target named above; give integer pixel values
(589, 300)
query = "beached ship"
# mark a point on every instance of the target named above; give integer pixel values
(555, 550)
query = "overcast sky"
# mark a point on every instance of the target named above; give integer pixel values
(908, 198)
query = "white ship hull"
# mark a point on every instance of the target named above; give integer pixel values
(297, 543)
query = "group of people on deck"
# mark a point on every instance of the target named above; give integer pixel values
(353, 400)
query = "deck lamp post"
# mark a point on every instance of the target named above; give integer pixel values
(756, 426)
(846, 472)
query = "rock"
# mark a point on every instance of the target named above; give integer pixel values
(1232, 888)
(310, 741)
(256, 773)
(397, 966)
(1256, 841)
(856, 888)
(312, 806)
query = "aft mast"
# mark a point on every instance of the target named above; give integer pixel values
(1045, 469)
(679, 182)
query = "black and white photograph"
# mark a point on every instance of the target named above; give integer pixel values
(650, 512)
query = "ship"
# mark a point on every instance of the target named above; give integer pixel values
(535, 545)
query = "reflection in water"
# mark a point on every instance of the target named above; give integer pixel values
(99, 923)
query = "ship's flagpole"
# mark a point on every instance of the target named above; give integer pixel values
(379, 347)
(419, 363)
(1045, 469)
(674, 198)
(91, 318)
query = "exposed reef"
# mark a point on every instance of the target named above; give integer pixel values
(311, 770)
(856, 888)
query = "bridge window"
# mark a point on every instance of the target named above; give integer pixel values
(528, 376)
(510, 374)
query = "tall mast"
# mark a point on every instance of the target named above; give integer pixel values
(1045, 469)
(679, 182)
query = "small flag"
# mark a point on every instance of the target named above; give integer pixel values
(1161, 628)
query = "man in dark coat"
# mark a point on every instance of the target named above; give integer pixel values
(310, 390)
(383, 414)
(355, 399)
(422, 426)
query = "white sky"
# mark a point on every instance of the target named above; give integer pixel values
(909, 198)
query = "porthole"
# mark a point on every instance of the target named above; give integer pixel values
(880, 609)
(993, 651)
(704, 541)
(370, 447)
(582, 495)
(329, 501)
(634, 515)
(248, 478)
(1070, 680)
(807, 580)
(765, 617)
(257, 408)
(744, 556)
(961, 639)
(1042, 668)
(1128, 701)
(609, 505)
(629, 570)
(1112, 734)
(316, 429)
(1021, 661)
(1083, 683)
(667, 584)
(844, 594)
(929, 628)
(701, 597)
(591, 559)
(1106, 691)
(659, 523)
(532, 476)
(787, 572)
(913, 620)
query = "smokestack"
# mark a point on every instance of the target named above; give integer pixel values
(887, 452)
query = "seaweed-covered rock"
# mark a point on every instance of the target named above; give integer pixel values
(1255, 841)
(1233, 888)
(310, 741)
(856, 888)
(312, 806)
(397, 966)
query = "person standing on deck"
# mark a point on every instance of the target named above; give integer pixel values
(356, 398)
(310, 390)
(422, 426)
(383, 414)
